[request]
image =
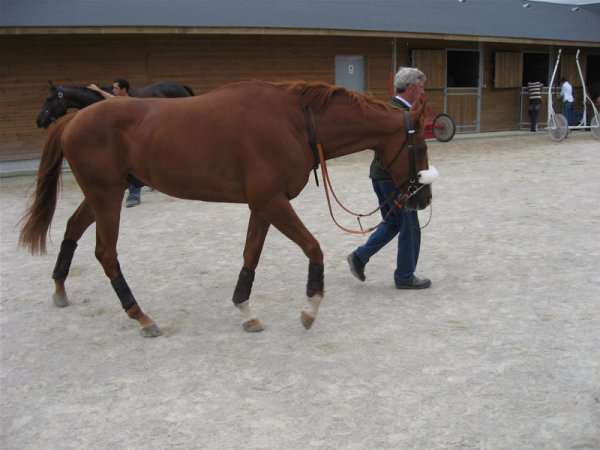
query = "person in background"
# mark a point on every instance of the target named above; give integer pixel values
(566, 93)
(121, 89)
(534, 88)
(410, 86)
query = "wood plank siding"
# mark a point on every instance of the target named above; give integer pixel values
(205, 61)
(201, 62)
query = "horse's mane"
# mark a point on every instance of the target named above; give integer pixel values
(318, 95)
(81, 88)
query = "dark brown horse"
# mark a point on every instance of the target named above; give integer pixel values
(243, 143)
(61, 98)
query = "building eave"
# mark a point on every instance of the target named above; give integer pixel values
(165, 30)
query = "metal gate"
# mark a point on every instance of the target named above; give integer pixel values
(462, 96)
(463, 105)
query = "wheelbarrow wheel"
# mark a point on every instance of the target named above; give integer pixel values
(558, 127)
(443, 127)
(595, 126)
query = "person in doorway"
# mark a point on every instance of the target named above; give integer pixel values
(121, 89)
(566, 94)
(534, 88)
(409, 84)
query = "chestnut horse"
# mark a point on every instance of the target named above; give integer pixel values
(250, 142)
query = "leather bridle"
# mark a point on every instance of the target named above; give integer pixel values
(399, 202)
(60, 94)
(413, 185)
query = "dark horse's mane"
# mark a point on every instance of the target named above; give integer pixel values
(85, 88)
(319, 94)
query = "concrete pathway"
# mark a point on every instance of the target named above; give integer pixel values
(502, 352)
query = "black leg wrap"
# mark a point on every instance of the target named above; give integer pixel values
(315, 279)
(123, 292)
(243, 286)
(65, 257)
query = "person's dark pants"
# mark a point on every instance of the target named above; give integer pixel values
(568, 112)
(401, 223)
(534, 110)
(134, 192)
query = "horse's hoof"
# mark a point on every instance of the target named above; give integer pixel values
(307, 320)
(60, 300)
(151, 331)
(252, 326)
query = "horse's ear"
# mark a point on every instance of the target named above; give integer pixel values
(50, 83)
(417, 115)
(418, 108)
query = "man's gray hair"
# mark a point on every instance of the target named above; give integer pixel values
(407, 76)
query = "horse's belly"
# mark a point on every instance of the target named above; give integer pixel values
(196, 185)
(206, 194)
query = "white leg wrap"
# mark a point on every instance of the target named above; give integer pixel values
(313, 305)
(244, 308)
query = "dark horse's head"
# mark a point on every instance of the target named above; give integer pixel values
(54, 107)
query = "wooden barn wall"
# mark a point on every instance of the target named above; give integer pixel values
(501, 105)
(201, 62)
(204, 62)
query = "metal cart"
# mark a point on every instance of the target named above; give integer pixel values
(558, 126)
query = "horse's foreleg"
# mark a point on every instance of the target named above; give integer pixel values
(255, 239)
(280, 213)
(315, 289)
(107, 230)
(80, 221)
(129, 304)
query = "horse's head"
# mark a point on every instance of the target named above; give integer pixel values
(406, 160)
(54, 107)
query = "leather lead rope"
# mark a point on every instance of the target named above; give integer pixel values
(319, 155)
(328, 186)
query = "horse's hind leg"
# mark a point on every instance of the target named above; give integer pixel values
(255, 239)
(107, 231)
(80, 221)
(280, 213)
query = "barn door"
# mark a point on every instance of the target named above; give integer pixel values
(453, 84)
(463, 90)
(350, 72)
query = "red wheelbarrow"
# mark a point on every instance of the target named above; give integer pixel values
(439, 126)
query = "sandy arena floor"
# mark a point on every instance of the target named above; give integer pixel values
(503, 352)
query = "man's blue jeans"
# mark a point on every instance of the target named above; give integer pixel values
(568, 112)
(400, 222)
(134, 192)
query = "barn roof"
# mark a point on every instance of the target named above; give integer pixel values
(513, 20)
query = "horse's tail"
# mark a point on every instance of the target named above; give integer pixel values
(42, 204)
(189, 89)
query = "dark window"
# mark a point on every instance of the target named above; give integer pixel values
(592, 75)
(463, 68)
(535, 68)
